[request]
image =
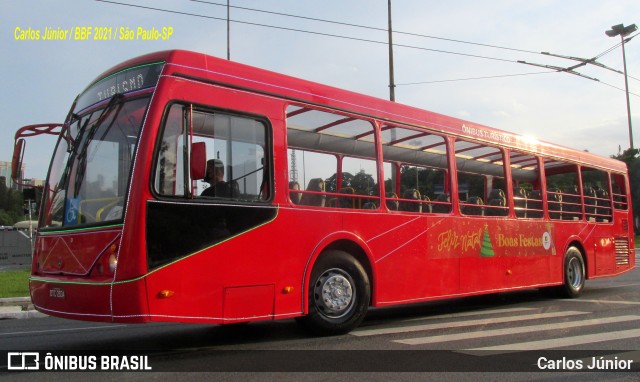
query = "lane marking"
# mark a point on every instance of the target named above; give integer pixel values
(461, 324)
(473, 313)
(518, 330)
(605, 301)
(553, 343)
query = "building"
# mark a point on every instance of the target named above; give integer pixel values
(5, 177)
(5, 172)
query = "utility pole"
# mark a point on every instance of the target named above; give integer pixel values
(228, 33)
(392, 85)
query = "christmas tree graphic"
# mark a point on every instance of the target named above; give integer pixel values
(487, 248)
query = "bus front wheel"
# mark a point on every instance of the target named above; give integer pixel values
(339, 293)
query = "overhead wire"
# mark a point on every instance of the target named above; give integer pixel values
(403, 33)
(368, 40)
(478, 78)
(364, 26)
(308, 31)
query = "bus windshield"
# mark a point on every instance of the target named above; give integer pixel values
(92, 163)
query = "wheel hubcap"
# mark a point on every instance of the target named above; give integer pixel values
(574, 273)
(334, 293)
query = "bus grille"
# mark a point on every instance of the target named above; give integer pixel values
(622, 251)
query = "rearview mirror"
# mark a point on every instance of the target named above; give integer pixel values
(198, 160)
(16, 161)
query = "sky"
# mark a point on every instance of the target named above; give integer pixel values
(40, 78)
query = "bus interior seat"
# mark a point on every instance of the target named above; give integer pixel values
(392, 204)
(497, 199)
(426, 206)
(443, 205)
(520, 202)
(473, 206)
(590, 202)
(604, 205)
(370, 206)
(411, 194)
(554, 198)
(347, 201)
(295, 196)
(571, 205)
(315, 185)
(534, 204)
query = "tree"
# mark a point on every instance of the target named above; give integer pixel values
(10, 206)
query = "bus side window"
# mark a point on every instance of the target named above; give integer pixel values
(563, 199)
(526, 177)
(415, 170)
(169, 172)
(618, 183)
(236, 152)
(334, 155)
(595, 185)
(481, 177)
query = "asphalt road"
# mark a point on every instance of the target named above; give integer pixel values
(508, 337)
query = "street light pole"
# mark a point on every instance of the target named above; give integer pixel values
(623, 31)
(626, 88)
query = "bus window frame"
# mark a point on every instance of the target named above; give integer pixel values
(188, 132)
(506, 178)
(372, 122)
(397, 169)
(541, 184)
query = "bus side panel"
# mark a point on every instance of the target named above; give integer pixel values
(422, 257)
(262, 269)
(407, 266)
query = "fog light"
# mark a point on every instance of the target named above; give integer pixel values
(166, 293)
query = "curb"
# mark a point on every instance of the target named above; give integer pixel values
(18, 308)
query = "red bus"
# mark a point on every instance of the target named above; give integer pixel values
(189, 188)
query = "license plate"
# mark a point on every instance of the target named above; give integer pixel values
(56, 293)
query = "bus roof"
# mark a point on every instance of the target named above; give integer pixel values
(212, 69)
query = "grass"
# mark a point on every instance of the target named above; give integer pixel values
(14, 283)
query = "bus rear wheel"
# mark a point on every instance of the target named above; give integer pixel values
(339, 294)
(574, 274)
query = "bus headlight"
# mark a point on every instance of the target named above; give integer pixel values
(113, 262)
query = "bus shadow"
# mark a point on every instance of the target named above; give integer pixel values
(434, 309)
(176, 338)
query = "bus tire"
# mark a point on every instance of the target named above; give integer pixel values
(338, 295)
(574, 274)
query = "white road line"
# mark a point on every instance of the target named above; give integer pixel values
(461, 324)
(60, 330)
(517, 330)
(604, 301)
(554, 343)
(616, 286)
(473, 313)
